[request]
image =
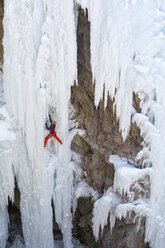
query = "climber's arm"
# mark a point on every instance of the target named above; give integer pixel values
(46, 125)
(50, 118)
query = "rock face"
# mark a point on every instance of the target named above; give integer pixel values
(15, 227)
(102, 138)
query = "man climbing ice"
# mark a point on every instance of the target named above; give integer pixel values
(52, 131)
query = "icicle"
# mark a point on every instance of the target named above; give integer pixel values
(102, 208)
(39, 68)
(7, 144)
(127, 175)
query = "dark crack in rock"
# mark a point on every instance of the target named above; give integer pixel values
(102, 138)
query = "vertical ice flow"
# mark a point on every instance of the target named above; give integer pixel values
(39, 68)
(127, 54)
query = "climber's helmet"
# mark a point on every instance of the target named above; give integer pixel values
(53, 122)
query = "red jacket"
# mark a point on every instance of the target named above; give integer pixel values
(51, 128)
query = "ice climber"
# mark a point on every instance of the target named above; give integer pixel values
(52, 132)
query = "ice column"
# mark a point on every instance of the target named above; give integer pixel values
(39, 68)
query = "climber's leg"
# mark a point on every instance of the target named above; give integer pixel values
(46, 140)
(54, 135)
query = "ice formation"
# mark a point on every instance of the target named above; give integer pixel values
(102, 208)
(7, 143)
(127, 55)
(112, 203)
(127, 43)
(39, 68)
(127, 175)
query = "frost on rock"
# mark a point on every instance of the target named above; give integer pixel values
(127, 176)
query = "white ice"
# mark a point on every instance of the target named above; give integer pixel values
(39, 68)
(7, 144)
(127, 175)
(103, 207)
(127, 55)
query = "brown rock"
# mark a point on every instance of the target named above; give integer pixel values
(102, 139)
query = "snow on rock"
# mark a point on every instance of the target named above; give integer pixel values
(111, 204)
(82, 189)
(140, 208)
(143, 157)
(103, 207)
(153, 136)
(127, 175)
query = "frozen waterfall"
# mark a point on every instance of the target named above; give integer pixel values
(40, 66)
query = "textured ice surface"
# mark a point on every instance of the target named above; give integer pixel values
(7, 144)
(104, 207)
(127, 54)
(39, 68)
(127, 175)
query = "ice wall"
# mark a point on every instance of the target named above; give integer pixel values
(7, 144)
(128, 55)
(120, 35)
(39, 68)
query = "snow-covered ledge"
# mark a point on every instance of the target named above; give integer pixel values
(127, 176)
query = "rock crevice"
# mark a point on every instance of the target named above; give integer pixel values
(102, 138)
